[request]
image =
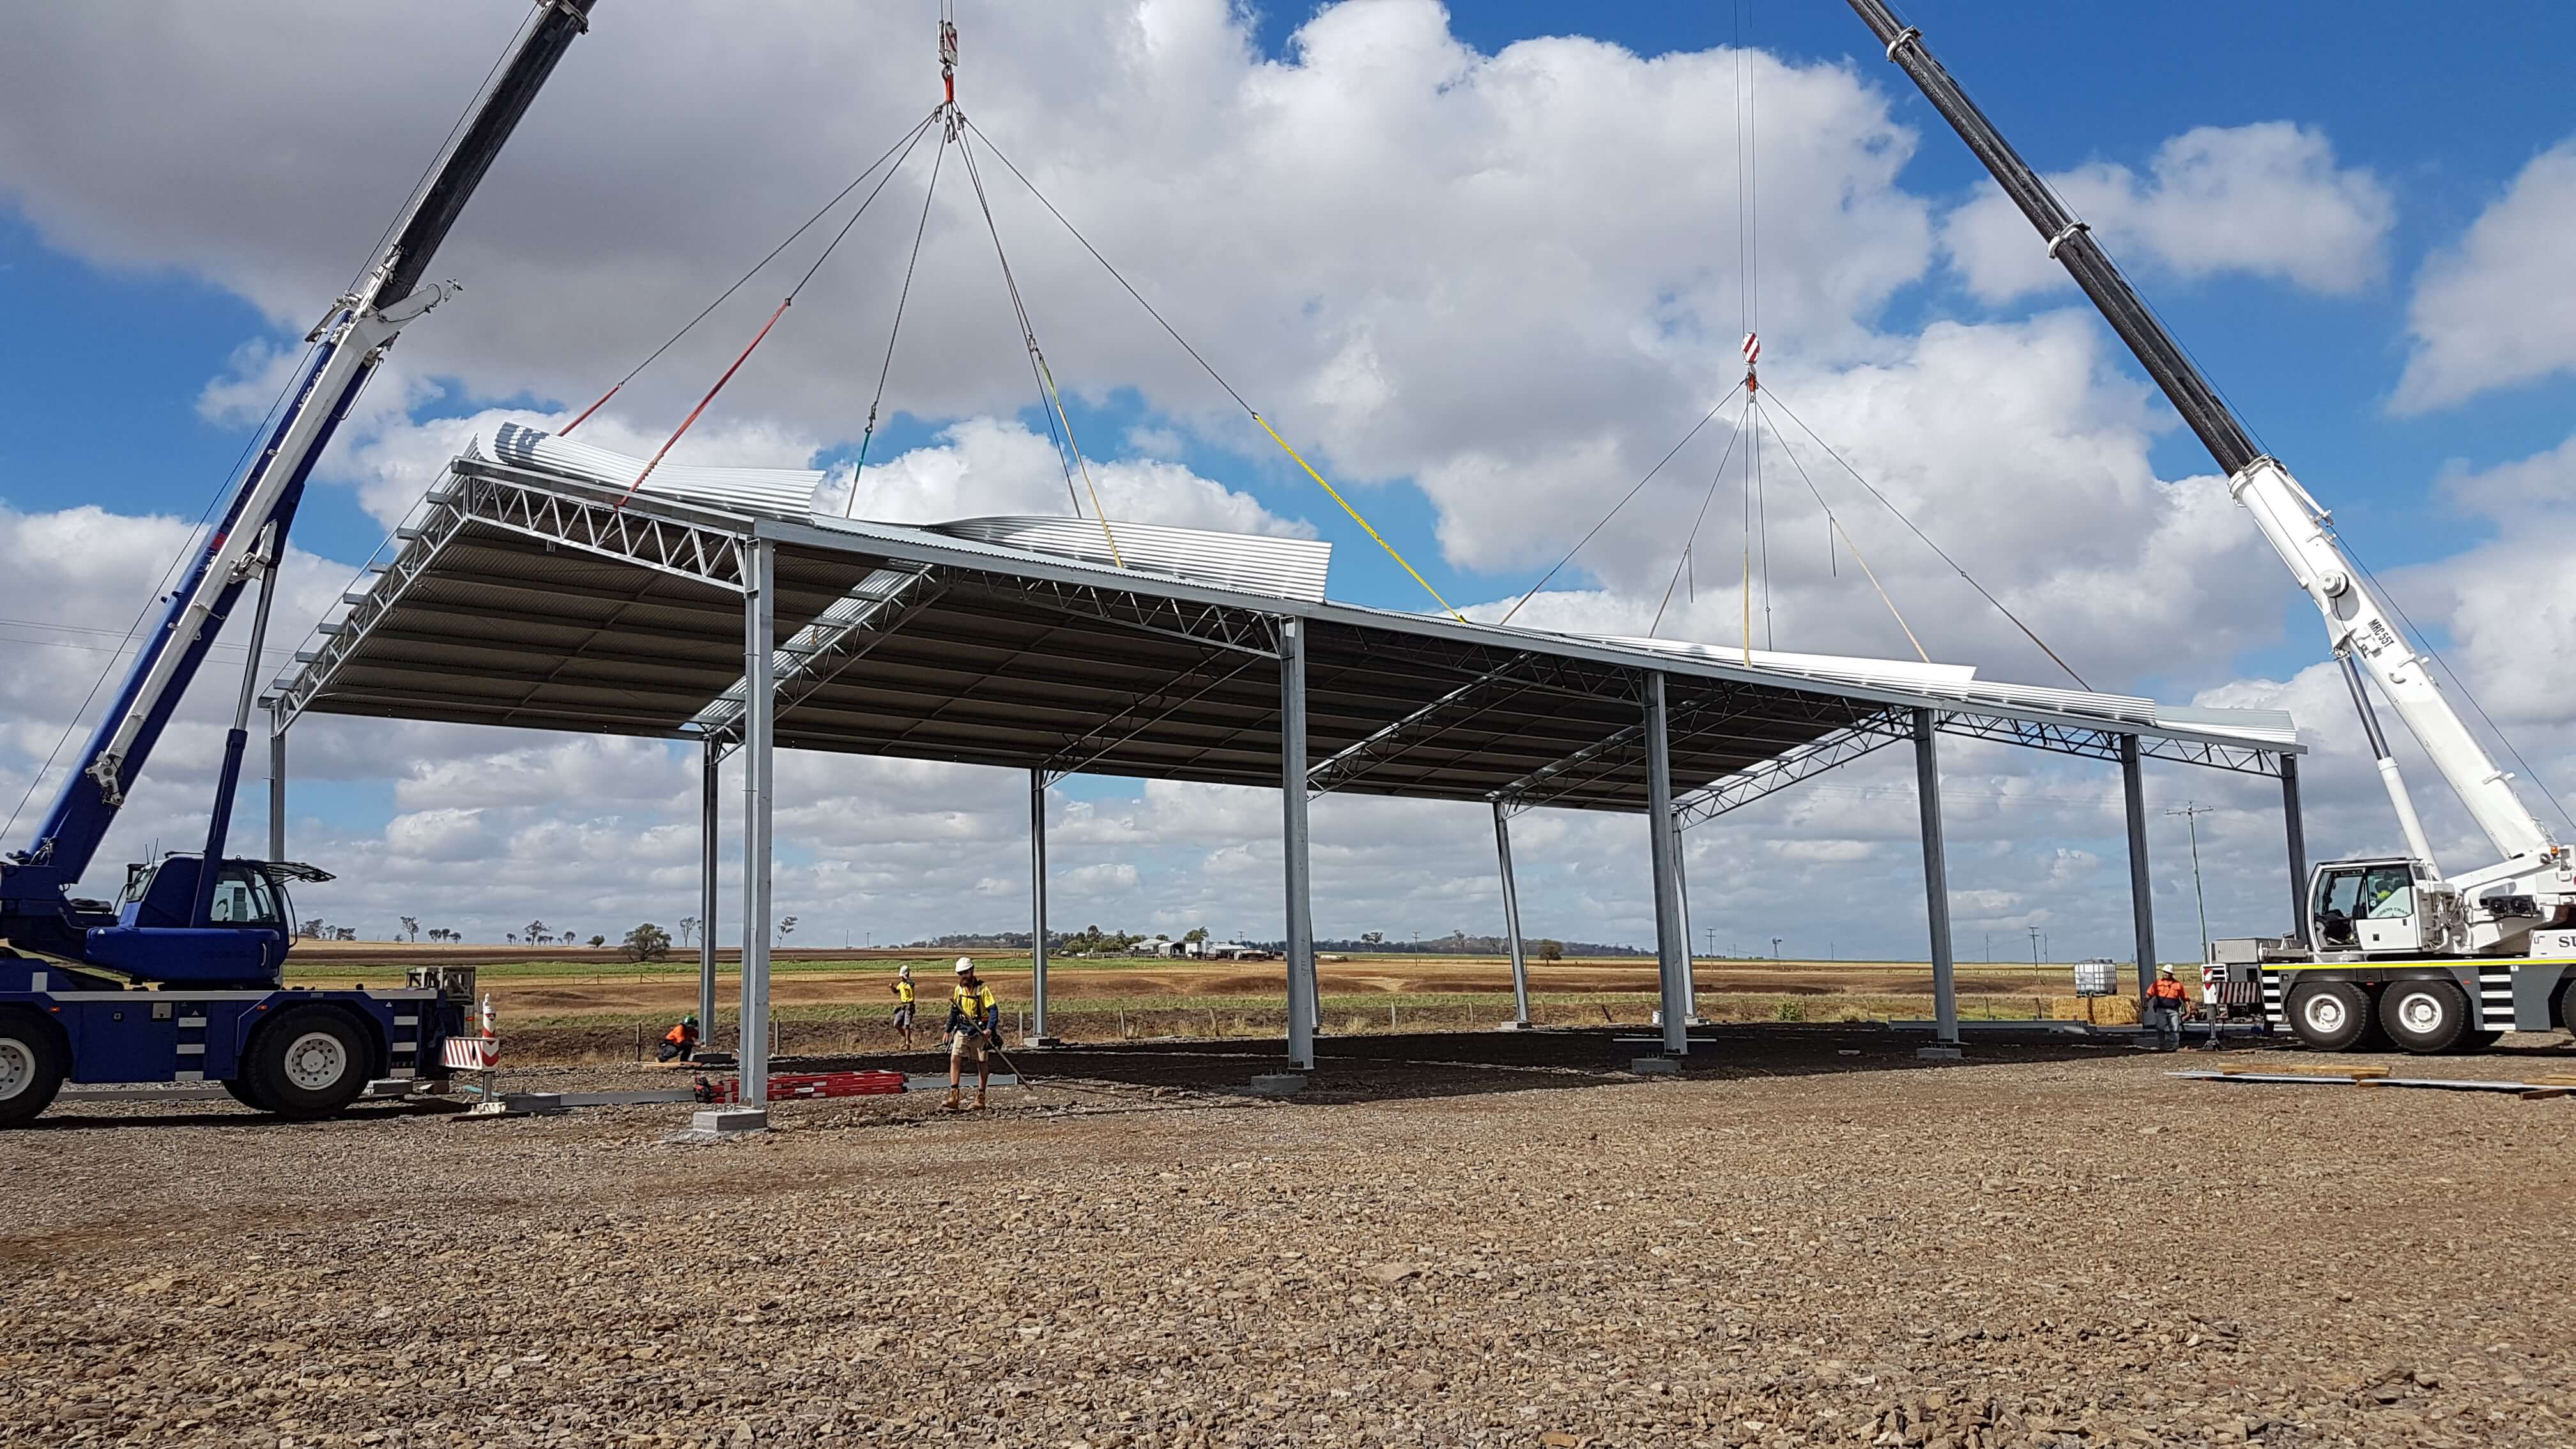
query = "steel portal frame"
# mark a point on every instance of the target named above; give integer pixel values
(1801, 727)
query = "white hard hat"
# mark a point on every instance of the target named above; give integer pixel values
(903, 970)
(964, 965)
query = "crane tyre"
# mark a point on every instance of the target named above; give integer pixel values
(308, 1062)
(241, 1090)
(2330, 1016)
(32, 1066)
(2424, 1017)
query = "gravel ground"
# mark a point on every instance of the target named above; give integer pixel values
(1806, 1239)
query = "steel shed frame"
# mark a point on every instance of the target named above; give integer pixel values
(518, 597)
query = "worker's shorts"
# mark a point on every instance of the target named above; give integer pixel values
(903, 1014)
(966, 1046)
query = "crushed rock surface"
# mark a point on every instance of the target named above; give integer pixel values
(2022, 1251)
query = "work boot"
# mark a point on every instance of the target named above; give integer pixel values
(951, 1104)
(979, 1099)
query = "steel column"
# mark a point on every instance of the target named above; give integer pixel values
(1037, 904)
(1681, 893)
(2142, 905)
(276, 781)
(1671, 954)
(1512, 916)
(1293, 841)
(2298, 828)
(760, 725)
(1936, 880)
(708, 840)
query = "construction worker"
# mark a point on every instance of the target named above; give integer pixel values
(903, 1003)
(2165, 1006)
(974, 1027)
(680, 1042)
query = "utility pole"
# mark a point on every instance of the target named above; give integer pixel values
(2034, 946)
(1711, 933)
(2191, 811)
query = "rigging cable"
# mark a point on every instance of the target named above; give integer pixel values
(1715, 477)
(1218, 377)
(1633, 489)
(902, 298)
(1909, 523)
(1833, 526)
(1047, 393)
(902, 143)
(757, 338)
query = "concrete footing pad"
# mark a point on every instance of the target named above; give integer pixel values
(1938, 1053)
(1656, 1066)
(723, 1124)
(1278, 1084)
(1041, 1041)
(1515, 1026)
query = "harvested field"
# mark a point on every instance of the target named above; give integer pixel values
(595, 1006)
(1487, 1239)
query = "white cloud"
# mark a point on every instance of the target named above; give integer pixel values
(2265, 199)
(2494, 309)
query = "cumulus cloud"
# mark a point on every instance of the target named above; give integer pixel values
(2494, 309)
(1487, 275)
(2265, 199)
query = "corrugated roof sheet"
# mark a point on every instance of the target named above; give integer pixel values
(1287, 568)
(787, 492)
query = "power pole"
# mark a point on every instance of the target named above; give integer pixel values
(2034, 946)
(2191, 811)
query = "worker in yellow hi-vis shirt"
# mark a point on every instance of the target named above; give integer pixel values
(903, 1003)
(974, 1027)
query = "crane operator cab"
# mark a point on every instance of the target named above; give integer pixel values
(2379, 907)
(248, 922)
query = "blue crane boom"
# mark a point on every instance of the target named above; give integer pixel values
(212, 928)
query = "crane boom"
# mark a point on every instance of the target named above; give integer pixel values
(2360, 627)
(249, 538)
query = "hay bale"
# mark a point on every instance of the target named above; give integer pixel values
(2099, 1010)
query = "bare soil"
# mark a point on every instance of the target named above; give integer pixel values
(1809, 1238)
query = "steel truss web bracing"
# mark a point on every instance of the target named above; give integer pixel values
(523, 599)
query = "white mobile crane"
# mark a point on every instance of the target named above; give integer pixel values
(2389, 944)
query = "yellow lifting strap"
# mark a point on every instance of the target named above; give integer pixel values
(1355, 517)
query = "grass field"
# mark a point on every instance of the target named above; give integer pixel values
(585, 1004)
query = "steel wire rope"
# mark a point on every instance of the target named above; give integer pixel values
(1045, 375)
(1716, 476)
(1219, 378)
(894, 332)
(1912, 528)
(2465, 692)
(186, 551)
(1633, 489)
(902, 142)
(1834, 526)
(763, 334)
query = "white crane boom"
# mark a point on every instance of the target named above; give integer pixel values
(2533, 878)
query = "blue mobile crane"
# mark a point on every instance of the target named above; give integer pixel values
(182, 978)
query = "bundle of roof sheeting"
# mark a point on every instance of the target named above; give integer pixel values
(788, 492)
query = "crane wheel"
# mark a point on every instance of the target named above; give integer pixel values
(308, 1062)
(2331, 1016)
(32, 1066)
(241, 1090)
(2424, 1017)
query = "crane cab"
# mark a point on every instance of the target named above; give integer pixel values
(2385, 907)
(242, 942)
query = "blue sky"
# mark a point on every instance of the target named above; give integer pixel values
(120, 317)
